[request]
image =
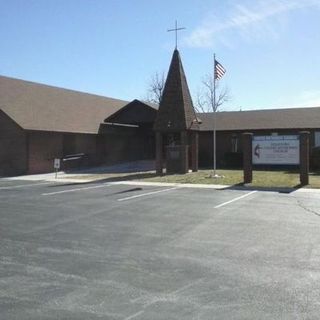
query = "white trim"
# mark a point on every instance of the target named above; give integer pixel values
(24, 185)
(74, 190)
(235, 199)
(146, 194)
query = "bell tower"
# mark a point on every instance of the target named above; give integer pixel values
(176, 124)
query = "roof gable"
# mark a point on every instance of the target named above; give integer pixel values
(36, 106)
(136, 112)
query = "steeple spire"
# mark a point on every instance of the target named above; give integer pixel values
(176, 112)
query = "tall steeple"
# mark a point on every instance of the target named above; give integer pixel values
(176, 112)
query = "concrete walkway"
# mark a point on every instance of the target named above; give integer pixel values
(94, 174)
(87, 174)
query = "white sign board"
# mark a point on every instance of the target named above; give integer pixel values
(56, 163)
(282, 150)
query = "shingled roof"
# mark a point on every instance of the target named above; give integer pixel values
(294, 118)
(176, 112)
(136, 112)
(36, 106)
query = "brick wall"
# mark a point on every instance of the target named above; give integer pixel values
(43, 148)
(121, 144)
(13, 150)
(86, 144)
(116, 144)
(33, 151)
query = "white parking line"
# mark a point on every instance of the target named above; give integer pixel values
(235, 199)
(147, 194)
(24, 185)
(74, 190)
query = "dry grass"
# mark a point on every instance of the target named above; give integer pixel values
(286, 179)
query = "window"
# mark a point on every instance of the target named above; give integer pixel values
(317, 139)
(234, 143)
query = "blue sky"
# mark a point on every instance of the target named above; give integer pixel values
(270, 48)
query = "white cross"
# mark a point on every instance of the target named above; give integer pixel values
(176, 29)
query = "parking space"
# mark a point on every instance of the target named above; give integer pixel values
(116, 251)
(16, 184)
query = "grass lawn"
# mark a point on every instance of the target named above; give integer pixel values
(234, 177)
(286, 179)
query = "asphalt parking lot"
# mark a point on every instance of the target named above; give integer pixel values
(114, 251)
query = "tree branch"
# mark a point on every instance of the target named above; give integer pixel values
(155, 88)
(205, 97)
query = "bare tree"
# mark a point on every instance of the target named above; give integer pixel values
(205, 96)
(155, 87)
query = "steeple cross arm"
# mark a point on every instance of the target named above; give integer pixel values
(176, 29)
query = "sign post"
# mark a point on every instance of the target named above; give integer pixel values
(284, 150)
(304, 158)
(247, 157)
(56, 166)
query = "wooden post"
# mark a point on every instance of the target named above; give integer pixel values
(159, 155)
(194, 151)
(247, 157)
(184, 164)
(184, 138)
(304, 158)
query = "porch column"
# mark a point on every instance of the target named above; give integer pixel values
(247, 157)
(304, 158)
(184, 167)
(194, 151)
(159, 155)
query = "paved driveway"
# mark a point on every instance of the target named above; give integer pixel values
(108, 251)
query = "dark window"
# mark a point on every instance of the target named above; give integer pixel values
(234, 143)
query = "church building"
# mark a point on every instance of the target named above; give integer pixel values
(39, 123)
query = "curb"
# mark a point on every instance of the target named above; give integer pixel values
(61, 179)
(168, 184)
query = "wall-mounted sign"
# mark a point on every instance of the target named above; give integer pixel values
(282, 150)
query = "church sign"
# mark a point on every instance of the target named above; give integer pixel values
(276, 150)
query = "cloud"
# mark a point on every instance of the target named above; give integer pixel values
(248, 21)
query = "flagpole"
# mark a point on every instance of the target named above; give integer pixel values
(214, 118)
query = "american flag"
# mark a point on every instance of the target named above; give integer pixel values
(219, 70)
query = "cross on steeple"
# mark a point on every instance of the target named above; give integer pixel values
(176, 29)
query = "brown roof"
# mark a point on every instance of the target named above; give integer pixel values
(136, 112)
(176, 112)
(148, 103)
(36, 106)
(295, 118)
